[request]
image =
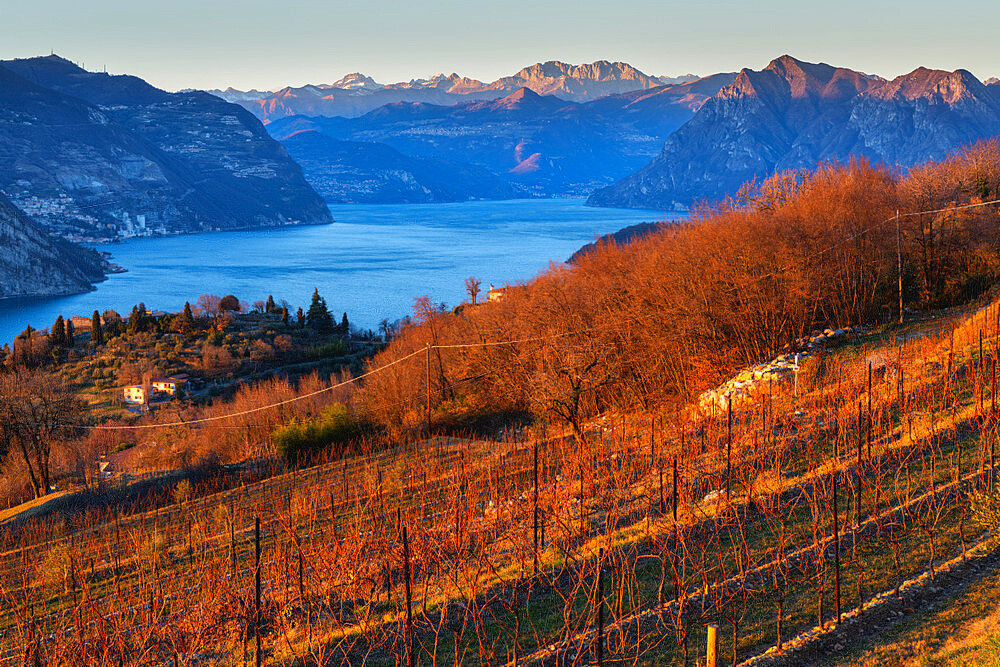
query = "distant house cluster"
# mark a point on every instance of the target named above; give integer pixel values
(156, 390)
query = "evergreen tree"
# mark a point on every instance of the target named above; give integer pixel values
(57, 335)
(135, 323)
(300, 317)
(188, 315)
(269, 307)
(318, 316)
(345, 326)
(70, 333)
(284, 316)
(96, 330)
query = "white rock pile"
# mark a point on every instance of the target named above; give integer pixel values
(742, 387)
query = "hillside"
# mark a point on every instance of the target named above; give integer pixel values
(93, 156)
(653, 526)
(34, 263)
(721, 423)
(793, 114)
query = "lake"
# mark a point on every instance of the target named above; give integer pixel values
(372, 262)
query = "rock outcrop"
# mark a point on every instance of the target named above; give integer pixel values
(794, 114)
(34, 263)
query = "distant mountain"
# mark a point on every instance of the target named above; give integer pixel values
(357, 94)
(538, 144)
(793, 114)
(233, 95)
(373, 173)
(673, 80)
(577, 83)
(96, 156)
(33, 263)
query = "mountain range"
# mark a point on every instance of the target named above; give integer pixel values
(523, 144)
(662, 146)
(357, 94)
(793, 114)
(92, 156)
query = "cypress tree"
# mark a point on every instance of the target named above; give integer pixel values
(300, 317)
(139, 320)
(345, 326)
(70, 333)
(96, 331)
(188, 315)
(269, 307)
(284, 315)
(57, 335)
(318, 316)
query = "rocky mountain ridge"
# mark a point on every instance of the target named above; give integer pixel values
(357, 94)
(793, 114)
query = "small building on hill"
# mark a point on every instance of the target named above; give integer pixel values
(137, 394)
(156, 389)
(495, 293)
(172, 386)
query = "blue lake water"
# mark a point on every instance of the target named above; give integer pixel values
(372, 262)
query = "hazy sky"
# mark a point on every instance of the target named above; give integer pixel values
(249, 43)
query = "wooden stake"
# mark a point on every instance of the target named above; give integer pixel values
(409, 618)
(729, 452)
(836, 545)
(256, 606)
(428, 387)
(535, 509)
(899, 266)
(712, 647)
(600, 608)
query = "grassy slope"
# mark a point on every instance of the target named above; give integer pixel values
(961, 626)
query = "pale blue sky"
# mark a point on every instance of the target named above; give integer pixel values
(250, 43)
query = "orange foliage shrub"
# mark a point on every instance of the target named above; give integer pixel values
(667, 315)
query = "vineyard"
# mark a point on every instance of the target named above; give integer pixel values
(774, 516)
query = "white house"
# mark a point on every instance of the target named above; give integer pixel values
(495, 293)
(172, 385)
(137, 394)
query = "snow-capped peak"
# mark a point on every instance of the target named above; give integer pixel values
(356, 81)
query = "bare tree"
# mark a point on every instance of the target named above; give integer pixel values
(472, 285)
(209, 305)
(36, 410)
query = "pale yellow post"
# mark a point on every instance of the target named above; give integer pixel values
(713, 645)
